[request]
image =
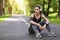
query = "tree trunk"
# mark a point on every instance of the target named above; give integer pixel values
(1, 8)
(10, 9)
(49, 2)
(43, 7)
(59, 9)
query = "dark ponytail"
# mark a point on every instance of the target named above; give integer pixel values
(38, 6)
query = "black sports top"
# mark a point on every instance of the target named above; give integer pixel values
(36, 20)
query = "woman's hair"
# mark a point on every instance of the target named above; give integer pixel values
(38, 6)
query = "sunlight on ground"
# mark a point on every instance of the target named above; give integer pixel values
(16, 19)
(54, 14)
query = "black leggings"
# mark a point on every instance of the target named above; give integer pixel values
(35, 29)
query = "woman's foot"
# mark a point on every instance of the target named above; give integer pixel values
(38, 35)
(51, 34)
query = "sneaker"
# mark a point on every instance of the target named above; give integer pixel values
(38, 36)
(52, 35)
(49, 35)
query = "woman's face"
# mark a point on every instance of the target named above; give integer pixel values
(36, 9)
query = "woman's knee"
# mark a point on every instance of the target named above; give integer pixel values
(43, 22)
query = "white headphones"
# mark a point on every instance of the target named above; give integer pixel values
(40, 7)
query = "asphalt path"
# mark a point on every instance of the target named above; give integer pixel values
(16, 28)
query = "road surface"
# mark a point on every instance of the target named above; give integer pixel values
(16, 28)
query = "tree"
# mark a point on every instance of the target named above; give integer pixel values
(43, 6)
(59, 9)
(1, 7)
(49, 2)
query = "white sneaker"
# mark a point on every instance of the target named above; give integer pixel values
(38, 35)
(49, 35)
(52, 34)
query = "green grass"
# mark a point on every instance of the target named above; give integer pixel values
(54, 20)
(53, 15)
(2, 18)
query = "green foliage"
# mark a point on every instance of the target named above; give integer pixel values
(53, 18)
(34, 3)
(54, 5)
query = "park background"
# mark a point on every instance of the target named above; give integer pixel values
(50, 8)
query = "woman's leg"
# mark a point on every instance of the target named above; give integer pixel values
(37, 31)
(47, 25)
(48, 28)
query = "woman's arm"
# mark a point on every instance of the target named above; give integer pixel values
(47, 22)
(43, 16)
(32, 22)
(37, 24)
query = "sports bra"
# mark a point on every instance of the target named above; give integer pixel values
(36, 20)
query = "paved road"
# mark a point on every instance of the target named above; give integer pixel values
(16, 28)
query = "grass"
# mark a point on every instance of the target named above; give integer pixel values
(53, 18)
(2, 18)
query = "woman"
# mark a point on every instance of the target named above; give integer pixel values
(36, 25)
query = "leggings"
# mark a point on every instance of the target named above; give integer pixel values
(37, 29)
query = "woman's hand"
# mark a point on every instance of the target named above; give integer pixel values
(42, 27)
(47, 22)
